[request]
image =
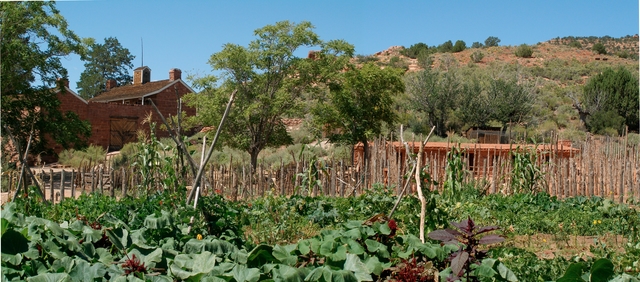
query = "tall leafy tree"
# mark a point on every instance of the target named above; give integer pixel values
(614, 91)
(104, 61)
(360, 103)
(435, 94)
(509, 101)
(270, 81)
(33, 38)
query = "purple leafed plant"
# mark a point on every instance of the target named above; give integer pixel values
(469, 236)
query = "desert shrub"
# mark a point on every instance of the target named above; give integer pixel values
(633, 139)
(575, 44)
(397, 62)
(415, 50)
(491, 41)
(459, 46)
(599, 48)
(89, 156)
(477, 56)
(524, 51)
(366, 59)
(425, 60)
(606, 123)
(445, 47)
(476, 45)
(302, 135)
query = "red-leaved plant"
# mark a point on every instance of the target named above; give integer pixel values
(467, 234)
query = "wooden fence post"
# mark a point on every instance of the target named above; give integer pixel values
(101, 181)
(73, 184)
(51, 193)
(61, 185)
(124, 183)
(113, 186)
(93, 180)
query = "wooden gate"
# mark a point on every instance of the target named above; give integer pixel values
(123, 130)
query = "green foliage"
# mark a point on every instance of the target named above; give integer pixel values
(88, 157)
(575, 44)
(445, 47)
(459, 46)
(454, 175)
(366, 59)
(34, 39)
(607, 123)
(599, 48)
(415, 50)
(396, 62)
(526, 175)
(477, 56)
(609, 94)
(435, 94)
(269, 81)
(359, 104)
(524, 51)
(491, 41)
(103, 62)
(476, 45)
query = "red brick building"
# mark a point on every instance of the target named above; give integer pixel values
(117, 114)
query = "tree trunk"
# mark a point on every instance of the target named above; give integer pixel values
(254, 151)
(365, 157)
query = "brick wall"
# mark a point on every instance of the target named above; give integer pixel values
(99, 114)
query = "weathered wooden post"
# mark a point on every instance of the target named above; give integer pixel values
(61, 185)
(73, 184)
(101, 181)
(93, 180)
(51, 184)
(124, 183)
(113, 186)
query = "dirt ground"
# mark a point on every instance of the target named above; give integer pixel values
(548, 246)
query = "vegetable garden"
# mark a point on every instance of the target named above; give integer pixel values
(156, 235)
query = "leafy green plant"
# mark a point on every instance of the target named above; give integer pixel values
(601, 271)
(526, 175)
(454, 174)
(524, 51)
(477, 56)
(468, 262)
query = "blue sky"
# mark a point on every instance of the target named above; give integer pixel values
(184, 34)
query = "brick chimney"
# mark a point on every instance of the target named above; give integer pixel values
(175, 74)
(141, 75)
(64, 81)
(111, 83)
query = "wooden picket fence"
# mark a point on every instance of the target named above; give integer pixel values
(606, 167)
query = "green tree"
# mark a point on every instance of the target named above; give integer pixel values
(509, 101)
(459, 46)
(33, 38)
(477, 45)
(612, 91)
(474, 109)
(491, 41)
(270, 81)
(360, 102)
(445, 47)
(599, 48)
(415, 50)
(103, 62)
(435, 94)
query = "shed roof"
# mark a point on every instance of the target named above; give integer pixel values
(133, 91)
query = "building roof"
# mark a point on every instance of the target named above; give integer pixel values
(134, 91)
(563, 148)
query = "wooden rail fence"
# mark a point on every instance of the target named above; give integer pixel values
(605, 168)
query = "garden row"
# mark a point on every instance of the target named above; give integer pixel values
(313, 238)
